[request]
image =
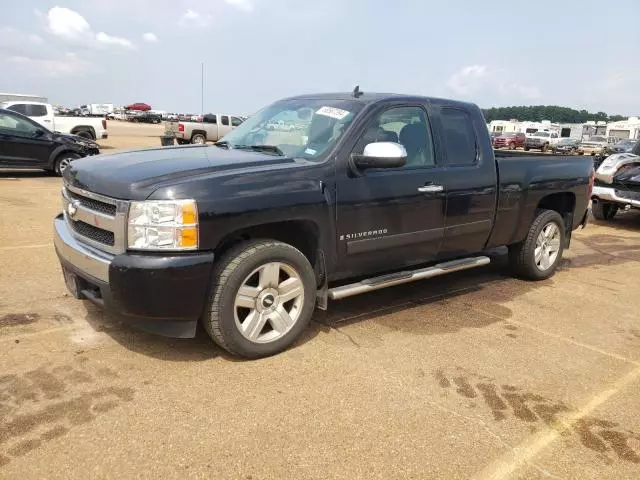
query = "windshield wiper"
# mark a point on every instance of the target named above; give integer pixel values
(223, 144)
(261, 148)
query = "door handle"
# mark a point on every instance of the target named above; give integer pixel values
(431, 189)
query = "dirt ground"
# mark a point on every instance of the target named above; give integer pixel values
(129, 136)
(473, 375)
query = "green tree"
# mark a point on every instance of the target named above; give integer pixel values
(553, 113)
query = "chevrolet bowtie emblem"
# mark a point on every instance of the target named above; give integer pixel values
(72, 209)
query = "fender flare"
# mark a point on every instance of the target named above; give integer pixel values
(56, 153)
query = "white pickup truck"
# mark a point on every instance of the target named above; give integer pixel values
(87, 127)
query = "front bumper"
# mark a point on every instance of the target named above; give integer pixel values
(608, 194)
(161, 293)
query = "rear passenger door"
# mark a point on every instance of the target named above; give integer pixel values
(471, 182)
(211, 126)
(391, 218)
(225, 125)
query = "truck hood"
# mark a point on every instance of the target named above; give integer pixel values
(135, 175)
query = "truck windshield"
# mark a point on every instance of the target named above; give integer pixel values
(299, 128)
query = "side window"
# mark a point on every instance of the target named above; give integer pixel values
(408, 126)
(236, 122)
(225, 120)
(459, 137)
(15, 125)
(36, 111)
(19, 107)
(209, 119)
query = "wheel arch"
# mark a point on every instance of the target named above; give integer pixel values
(301, 234)
(564, 203)
(84, 128)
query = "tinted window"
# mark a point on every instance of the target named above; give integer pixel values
(408, 126)
(15, 125)
(459, 137)
(209, 118)
(235, 121)
(19, 107)
(225, 120)
(36, 111)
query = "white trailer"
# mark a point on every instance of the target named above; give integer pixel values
(628, 129)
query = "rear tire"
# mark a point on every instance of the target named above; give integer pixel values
(198, 139)
(537, 257)
(63, 161)
(604, 211)
(85, 134)
(250, 311)
(526, 149)
(544, 148)
(512, 146)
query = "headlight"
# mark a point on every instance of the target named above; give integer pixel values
(163, 225)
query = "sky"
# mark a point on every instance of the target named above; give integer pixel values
(572, 53)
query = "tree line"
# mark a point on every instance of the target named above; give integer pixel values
(553, 113)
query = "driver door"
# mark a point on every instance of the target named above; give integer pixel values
(19, 144)
(392, 218)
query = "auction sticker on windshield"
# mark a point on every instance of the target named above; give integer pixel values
(332, 112)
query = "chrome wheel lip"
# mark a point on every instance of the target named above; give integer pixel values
(272, 303)
(547, 246)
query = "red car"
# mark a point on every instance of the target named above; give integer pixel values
(511, 140)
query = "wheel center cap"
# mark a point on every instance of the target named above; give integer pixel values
(267, 300)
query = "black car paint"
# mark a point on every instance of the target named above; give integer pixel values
(363, 222)
(39, 151)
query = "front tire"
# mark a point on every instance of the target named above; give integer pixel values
(604, 211)
(262, 298)
(537, 257)
(63, 161)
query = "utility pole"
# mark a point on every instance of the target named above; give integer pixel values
(202, 88)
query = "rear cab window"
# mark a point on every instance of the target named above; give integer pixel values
(459, 136)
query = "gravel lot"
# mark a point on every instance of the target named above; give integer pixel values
(475, 375)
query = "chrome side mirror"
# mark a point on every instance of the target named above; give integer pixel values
(381, 155)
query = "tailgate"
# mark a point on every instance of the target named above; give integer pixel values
(171, 127)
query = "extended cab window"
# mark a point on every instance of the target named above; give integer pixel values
(36, 111)
(459, 137)
(225, 120)
(408, 126)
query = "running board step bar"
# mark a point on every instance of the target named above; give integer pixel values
(384, 281)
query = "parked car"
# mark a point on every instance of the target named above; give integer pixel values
(25, 143)
(568, 146)
(211, 128)
(596, 144)
(510, 140)
(623, 146)
(147, 117)
(42, 113)
(617, 184)
(248, 236)
(542, 141)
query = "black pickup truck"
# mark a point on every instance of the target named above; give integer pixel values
(358, 193)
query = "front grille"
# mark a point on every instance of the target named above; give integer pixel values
(93, 233)
(95, 205)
